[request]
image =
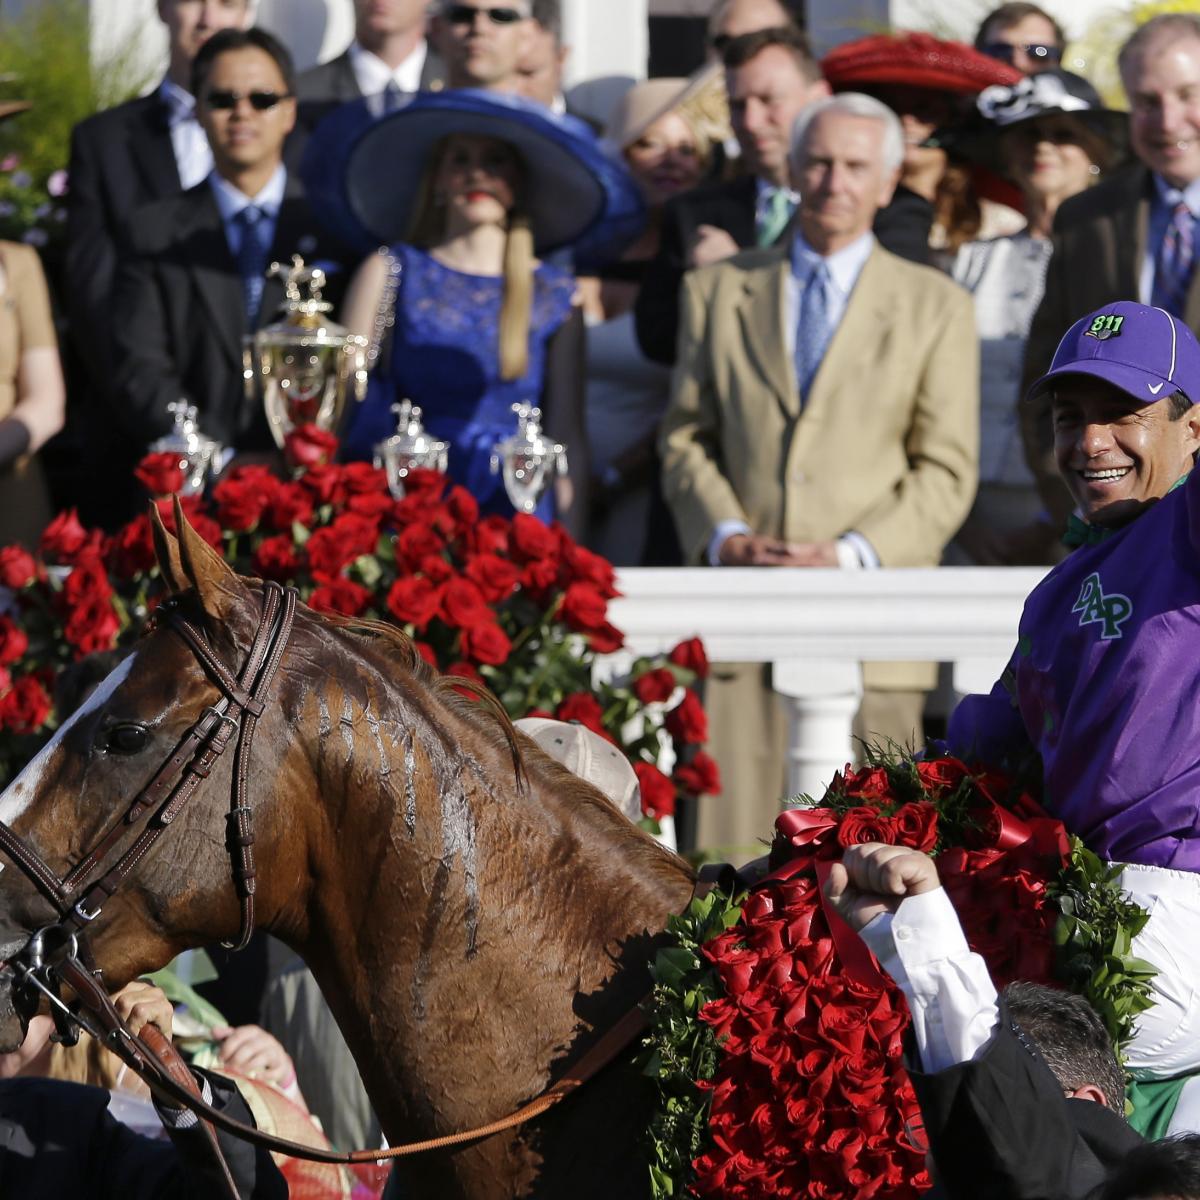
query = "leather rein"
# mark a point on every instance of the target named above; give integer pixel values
(150, 1054)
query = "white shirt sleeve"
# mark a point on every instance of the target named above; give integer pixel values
(723, 531)
(950, 995)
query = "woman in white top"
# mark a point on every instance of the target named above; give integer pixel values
(659, 129)
(1052, 137)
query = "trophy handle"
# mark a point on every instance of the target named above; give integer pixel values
(248, 370)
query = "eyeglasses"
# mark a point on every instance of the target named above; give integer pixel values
(1042, 54)
(259, 101)
(465, 14)
(719, 42)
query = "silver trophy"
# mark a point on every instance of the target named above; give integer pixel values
(304, 366)
(410, 446)
(199, 456)
(527, 460)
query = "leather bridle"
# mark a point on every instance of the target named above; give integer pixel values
(78, 903)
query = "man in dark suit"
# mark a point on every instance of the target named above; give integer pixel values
(389, 57)
(1021, 1095)
(125, 157)
(1133, 237)
(193, 284)
(771, 77)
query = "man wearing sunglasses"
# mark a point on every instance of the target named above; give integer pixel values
(389, 58)
(483, 42)
(1023, 36)
(121, 159)
(193, 284)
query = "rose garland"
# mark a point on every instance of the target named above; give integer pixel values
(514, 604)
(778, 1053)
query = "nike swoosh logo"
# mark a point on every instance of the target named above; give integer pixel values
(1155, 388)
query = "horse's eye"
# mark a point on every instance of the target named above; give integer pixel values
(128, 738)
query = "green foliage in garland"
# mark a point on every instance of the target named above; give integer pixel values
(1095, 934)
(681, 1052)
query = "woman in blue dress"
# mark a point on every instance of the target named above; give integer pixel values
(462, 317)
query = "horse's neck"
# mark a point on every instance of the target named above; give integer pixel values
(478, 925)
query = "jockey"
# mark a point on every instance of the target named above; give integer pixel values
(1105, 681)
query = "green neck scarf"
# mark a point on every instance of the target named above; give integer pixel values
(1080, 533)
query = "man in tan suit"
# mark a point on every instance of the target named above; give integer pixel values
(825, 413)
(1135, 236)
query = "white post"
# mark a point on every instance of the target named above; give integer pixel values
(608, 38)
(821, 697)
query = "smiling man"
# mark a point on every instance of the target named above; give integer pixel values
(1103, 683)
(1135, 234)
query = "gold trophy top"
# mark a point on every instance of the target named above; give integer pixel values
(303, 307)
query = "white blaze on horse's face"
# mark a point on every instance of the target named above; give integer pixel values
(21, 791)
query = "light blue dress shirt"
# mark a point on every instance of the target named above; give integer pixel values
(230, 202)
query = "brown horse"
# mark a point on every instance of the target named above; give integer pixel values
(475, 922)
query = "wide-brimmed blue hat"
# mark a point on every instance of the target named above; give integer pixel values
(362, 173)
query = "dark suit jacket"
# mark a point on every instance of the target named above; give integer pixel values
(1099, 243)
(322, 88)
(121, 160)
(902, 228)
(1001, 1129)
(57, 1139)
(181, 317)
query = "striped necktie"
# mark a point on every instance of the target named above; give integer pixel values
(813, 331)
(1176, 262)
(776, 214)
(252, 258)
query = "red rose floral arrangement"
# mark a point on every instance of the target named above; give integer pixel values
(511, 603)
(775, 1041)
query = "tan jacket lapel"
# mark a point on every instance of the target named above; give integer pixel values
(761, 317)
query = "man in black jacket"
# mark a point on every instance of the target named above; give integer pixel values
(193, 285)
(389, 58)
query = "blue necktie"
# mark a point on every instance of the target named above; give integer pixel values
(252, 258)
(393, 97)
(813, 331)
(1176, 262)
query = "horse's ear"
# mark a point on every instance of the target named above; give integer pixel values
(204, 569)
(166, 550)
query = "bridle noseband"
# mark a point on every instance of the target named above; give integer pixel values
(235, 714)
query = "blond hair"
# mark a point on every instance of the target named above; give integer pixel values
(428, 228)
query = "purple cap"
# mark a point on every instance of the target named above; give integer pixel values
(1145, 352)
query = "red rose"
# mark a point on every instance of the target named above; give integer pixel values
(494, 576)
(538, 577)
(131, 549)
(13, 641)
(462, 508)
(92, 625)
(871, 783)
(916, 826)
(587, 567)
(360, 533)
(944, 772)
(161, 474)
(364, 479)
(607, 639)
(462, 670)
(490, 536)
(372, 506)
(583, 608)
(530, 538)
(65, 540)
(584, 708)
(342, 596)
(691, 657)
(700, 776)
(486, 642)
(328, 552)
(242, 497)
(865, 824)
(25, 708)
(413, 601)
(463, 604)
(658, 792)
(291, 504)
(436, 569)
(276, 558)
(424, 485)
(425, 650)
(687, 722)
(309, 446)
(417, 541)
(324, 482)
(654, 687)
(17, 568)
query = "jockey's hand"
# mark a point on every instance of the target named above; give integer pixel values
(140, 1003)
(873, 878)
(251, 1050)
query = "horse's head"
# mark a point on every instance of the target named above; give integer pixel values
(134, 737)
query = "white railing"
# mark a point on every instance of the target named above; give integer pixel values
(816, 626)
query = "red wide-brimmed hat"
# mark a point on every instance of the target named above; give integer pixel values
(914, 60)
